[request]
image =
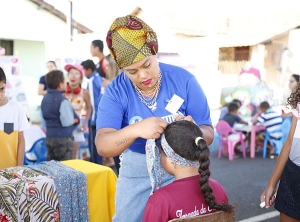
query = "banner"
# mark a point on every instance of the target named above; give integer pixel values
(14, 87)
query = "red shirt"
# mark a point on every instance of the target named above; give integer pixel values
(180, 199)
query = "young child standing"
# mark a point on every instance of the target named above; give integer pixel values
(61, 120)
(184, 154)
(96, 88)
(78, 98)
(13, 122)
(287, 170)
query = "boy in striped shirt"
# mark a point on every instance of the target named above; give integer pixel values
(273, 123)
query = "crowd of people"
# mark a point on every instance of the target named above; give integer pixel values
(83, 101)
(266, 116)
(148, 117)
(282, 188)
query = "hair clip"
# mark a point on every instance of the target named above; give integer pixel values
(197, 140)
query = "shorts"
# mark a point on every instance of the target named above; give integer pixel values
(288, 195)
(78, 135)
(60, 148)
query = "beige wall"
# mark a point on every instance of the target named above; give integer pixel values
(276, 76)
(31, 55)
(25, 20)
(281, 61)
(294, 47)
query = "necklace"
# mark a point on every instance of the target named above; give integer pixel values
(150, 92)
(151, 101)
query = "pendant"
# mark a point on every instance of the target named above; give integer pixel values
(153, 107)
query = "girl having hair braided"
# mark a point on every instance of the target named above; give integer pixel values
(184, 154)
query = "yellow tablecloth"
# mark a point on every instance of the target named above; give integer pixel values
(101, 183)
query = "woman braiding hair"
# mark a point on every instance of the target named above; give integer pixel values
(134, 108)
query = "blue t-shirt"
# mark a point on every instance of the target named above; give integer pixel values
(120, 106)
(43, 81)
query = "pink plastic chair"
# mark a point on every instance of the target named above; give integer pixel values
(229, 138)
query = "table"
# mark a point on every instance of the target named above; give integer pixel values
(30, 195)
(101, 183)
(250, 129)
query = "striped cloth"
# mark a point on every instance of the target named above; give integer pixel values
(272, 121)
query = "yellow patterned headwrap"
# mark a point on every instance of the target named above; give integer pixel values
(129, 40)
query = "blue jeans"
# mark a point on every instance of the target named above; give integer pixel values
(133, 187)
(43, 122)
(95, 157)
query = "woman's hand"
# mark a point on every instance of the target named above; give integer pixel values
(268, 196)
(208, 132)
(182, 117)
(83, 128)
(150, 128)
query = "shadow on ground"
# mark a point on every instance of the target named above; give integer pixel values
(244, 180)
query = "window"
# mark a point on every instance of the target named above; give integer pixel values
(241, 53)
(234, 53)
(8, 45)
(232, 59)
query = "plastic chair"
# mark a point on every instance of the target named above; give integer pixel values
(216, 141)
(219, 216)
(229, 138)
(37, 153)
(277, 143)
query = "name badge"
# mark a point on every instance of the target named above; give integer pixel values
(174, 104)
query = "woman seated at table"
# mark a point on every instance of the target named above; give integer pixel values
(272, 121)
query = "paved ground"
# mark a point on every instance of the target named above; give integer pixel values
(244, 180)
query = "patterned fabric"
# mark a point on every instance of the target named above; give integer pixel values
(71, 188)
(154, 166)
(130, 40)
(27, 195)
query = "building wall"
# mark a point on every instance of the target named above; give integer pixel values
(257, 55)
(281, 61)
(276, 77)
(29, 27)
(38, 35)
(294, 47)
(22, 19)
(31, 55)
(203, 53)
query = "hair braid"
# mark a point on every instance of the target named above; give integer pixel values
(181, 135)
(205, 174)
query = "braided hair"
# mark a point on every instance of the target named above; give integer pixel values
(181, 136)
